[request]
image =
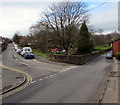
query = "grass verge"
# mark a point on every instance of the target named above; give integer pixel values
(38, 53)
(102, 47)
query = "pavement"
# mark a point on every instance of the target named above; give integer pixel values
(10, 79)
(110, 94)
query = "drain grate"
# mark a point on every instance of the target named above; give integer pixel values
(115, 74)
(18, 77)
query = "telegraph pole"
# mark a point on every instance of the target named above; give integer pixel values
(47, 39)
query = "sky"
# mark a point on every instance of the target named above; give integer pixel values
(19, 16)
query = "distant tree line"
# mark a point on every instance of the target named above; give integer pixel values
(105, 39)
(16, 38)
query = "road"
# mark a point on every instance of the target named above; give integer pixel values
(55, 83)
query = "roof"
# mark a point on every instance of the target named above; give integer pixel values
(23, 37)
(116, 40)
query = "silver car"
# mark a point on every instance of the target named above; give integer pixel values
(109, 56)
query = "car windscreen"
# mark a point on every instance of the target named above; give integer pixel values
(29, 50)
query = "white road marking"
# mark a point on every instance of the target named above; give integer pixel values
(51, 76)
(24, 63)
(54, 74)
(14, 56)
(69, 68)
(45, 77)
(33, 81)
(28, 60)
(63, 70)
(40, 79)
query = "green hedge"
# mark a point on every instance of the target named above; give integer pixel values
(4, 46)
(118, 55)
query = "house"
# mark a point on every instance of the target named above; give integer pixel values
(116, 47)
(22, 39)
(27, 40)
(0, 40)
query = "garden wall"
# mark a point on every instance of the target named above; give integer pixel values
(76, 59)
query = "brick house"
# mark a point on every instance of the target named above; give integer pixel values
(27, 40)
(116, 47)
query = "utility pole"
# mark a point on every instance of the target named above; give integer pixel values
(119, 17)
(47, 39)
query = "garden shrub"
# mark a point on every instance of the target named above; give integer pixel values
(118, 55)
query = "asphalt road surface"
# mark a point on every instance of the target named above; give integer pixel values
(54, 83)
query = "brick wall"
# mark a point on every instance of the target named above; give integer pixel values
(75, 59)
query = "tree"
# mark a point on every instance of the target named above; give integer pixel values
(16, 38)
(40, 34)
(63, 19)
(100, 31)
(5, 42)
(84, 44)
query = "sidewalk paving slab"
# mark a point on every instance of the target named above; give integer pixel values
(111, 92)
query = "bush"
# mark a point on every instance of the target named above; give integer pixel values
(4, 45)
(118, 55)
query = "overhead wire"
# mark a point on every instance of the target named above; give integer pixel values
(96, 6)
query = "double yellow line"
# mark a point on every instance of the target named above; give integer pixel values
(40, 61)
(28, 77)
(45, 62)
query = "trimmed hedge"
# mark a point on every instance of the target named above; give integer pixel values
(118, 55)
(4, 46)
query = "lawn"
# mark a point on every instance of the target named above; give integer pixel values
(38, 53)
(102, 47)
(20, 47)
(97, 49)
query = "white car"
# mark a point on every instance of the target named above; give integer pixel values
(25, 50)
(15, 45)
(109, 56)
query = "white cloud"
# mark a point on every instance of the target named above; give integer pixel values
(91, 6)
(17, 19)
(105, 17)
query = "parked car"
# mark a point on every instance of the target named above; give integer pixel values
(109, 56)
(25, 50)
(18, 51)
(29, 55)
(16, 48)
(15, 45)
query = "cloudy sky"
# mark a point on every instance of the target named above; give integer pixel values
(19, 16)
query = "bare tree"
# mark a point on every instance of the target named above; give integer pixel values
(63, 19)
(39, 32)
(100, 31)
(92, 30)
